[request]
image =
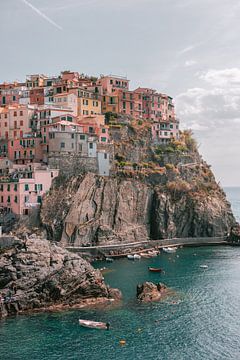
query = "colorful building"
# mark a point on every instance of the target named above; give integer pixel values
(24, 187)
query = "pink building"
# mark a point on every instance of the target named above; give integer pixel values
(110, 83)
(24, 188)
(163, 132)
(25, 150)
(156, 106)
(14, 121)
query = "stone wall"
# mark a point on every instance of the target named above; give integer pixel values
(73, 164)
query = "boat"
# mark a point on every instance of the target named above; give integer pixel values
(109, 259)
(137, 257)
(155, 269)
(203, 266)
(130, 257)
(169, 249)
(94, 324)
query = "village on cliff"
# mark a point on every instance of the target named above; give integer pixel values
(52, 124)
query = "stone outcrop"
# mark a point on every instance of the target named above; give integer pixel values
(38, 275)
(148, 292)
(122, 210)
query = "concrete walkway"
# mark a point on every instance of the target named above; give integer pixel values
(146, 245)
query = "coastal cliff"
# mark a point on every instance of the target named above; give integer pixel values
(126, 209)
(155, 192)
(37, 275)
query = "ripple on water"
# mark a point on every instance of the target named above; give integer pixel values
(202, 324)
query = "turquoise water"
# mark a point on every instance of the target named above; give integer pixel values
(199, 321)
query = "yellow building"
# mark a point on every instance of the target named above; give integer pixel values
(110, 103)
(89, 103)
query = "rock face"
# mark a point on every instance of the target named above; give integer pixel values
(36, 274)
(113, 210)
(148, 292)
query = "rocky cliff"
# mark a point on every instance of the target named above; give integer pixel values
(110, 210)
(155, 192)
(38, 275)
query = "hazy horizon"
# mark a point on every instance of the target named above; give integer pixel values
(186, 49)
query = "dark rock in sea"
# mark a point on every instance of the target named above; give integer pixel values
(148, 292)
(38, 275)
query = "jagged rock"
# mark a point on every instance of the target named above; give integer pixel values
(148, 292)
(114, 210)
(36, 274)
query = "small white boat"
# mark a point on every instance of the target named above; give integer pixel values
(203, 266)
(109, 259)
(169, 249)
(94, 324)
(137, 257)
(130, 257)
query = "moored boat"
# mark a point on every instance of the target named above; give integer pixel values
(94, 324)
(154, 269)
(169, 249)
(130, 257)
(203, 266)
(108, 259)
(137, 257)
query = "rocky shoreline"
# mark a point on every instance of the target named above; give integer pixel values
(36, 275)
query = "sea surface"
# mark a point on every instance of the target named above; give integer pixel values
(200, 320)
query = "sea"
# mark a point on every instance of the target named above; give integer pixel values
(199, 321)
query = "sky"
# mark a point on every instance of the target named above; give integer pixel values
(186, 48)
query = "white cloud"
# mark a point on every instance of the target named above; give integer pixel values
(189, 63)
(222, 78)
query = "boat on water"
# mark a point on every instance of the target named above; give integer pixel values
(134, 257)
(154, 269)
(108, 259)
(203, 266)
(94, 324)
(169, 249)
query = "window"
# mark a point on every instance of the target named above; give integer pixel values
(26, 187)
(82, 137)
(15, 113)
(124, 104)
(1, 187)
(8, 187)
(15, 187)
(15, 199)
(105, 156)
(103, 139)
(14, 98)
(72, 136)
(21, 123)
(26, 198)
(62, 145)
(90, 145)
(8, 199)
(103, 131)
(72, 145)
(171, 126)
(1, 199)
(39, 199)
(21, 113)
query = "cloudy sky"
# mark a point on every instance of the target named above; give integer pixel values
(187, 48)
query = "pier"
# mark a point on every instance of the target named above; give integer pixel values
(124, 249)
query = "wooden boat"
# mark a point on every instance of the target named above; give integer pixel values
(155, 269)
(94, 324)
